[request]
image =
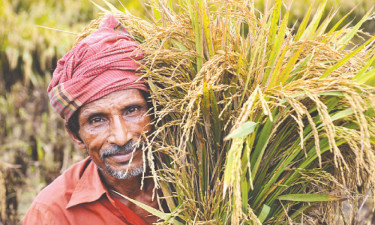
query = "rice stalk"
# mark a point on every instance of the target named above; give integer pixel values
(256, 122)
(3, 196)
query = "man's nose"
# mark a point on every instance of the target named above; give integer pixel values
(119, 132)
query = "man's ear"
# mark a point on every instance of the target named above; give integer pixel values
(76, 139)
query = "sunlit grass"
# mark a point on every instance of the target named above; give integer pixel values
(296, 116)
(256, 121)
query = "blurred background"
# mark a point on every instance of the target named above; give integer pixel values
(34, 147)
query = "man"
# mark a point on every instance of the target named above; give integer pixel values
(96, 90)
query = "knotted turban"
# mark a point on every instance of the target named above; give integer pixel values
(105, 61)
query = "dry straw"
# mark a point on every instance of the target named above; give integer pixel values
(256, 122)
(2, 195)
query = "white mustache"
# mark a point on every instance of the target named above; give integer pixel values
(115, 149)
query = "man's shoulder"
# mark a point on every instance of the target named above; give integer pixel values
(50, 204)
(60, 190)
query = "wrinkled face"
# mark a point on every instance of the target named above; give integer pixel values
(110, 128)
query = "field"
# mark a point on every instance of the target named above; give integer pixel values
(34, 146)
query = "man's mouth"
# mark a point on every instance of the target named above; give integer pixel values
(122, 154)
(124, 157)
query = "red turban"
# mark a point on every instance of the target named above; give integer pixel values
(103, 62)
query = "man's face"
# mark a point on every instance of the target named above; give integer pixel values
(110, 127)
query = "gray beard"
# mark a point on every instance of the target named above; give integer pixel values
(122, 174)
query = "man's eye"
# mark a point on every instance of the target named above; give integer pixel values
(132, 109)
(96, 120)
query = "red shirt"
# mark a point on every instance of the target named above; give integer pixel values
(78, 196)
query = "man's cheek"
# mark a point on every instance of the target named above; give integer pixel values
(93, 145)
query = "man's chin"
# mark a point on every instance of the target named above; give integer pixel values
(123, 173)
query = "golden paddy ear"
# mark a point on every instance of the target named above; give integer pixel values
(76, 139)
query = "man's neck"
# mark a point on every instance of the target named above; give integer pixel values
(130, 187)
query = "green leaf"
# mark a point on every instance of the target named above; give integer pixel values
(289, 66)
(244, 193)
(215, 117)
(345, 39)
(300, 211)
(365, 77)
(179, 45)
(198, 41)
(156, 13)
(245, 129)
(371, 81)
(346, 58)
(302, 65)
(99, 7)
(112, 7)
(303, 25)
(275, 40)
(262, 143)
(323, 26)
(341, 114)
(313, 25)
(275, 19)
(264, 213)
(334, 28)
(153, 211)
(331, 93)
(206, 26)
(309, 197)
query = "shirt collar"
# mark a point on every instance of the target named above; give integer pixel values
(89, 187)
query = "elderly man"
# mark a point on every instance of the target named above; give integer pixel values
(96, 90)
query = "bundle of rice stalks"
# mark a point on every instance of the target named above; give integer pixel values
(256, 122)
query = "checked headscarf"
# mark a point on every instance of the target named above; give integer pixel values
(105, 61)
